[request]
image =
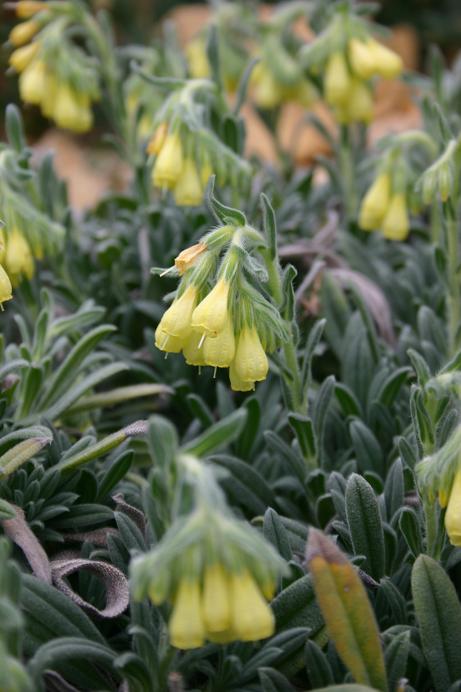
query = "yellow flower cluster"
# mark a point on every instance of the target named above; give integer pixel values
(39, 83)
(175, 169)
(269, 92)
(221, 606)
(452, 501)
(347, 75)
(205, 333)
(385, 209)
(16, 256)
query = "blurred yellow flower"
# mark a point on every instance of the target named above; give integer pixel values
(396, 224)
(453, 513)
(375, 203)
(169, 162)
(252, 618)
(186, 626)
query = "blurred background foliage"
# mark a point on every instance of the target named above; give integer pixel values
(435, 21)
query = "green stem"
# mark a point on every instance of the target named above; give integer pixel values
(293, 382)
(453, 295)
(346, 166)
(431, 516)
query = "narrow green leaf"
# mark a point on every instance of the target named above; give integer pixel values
(218, 435)
(365, 525)
(438, 612)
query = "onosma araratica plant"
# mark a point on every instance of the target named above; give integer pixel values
(239, 471)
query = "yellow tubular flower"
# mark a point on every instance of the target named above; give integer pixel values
(49, 96)
(6, 289)
(168, 165)
(187, 630)
(205, 172)
(188, 258)
(23, 32)
(188, 189)
(360, 107)
(453, 513)
(22, 57)
(32, 82)
(157, 140)
(67, 111)
(219, 350)
(176, 320)
(388, 63)
(266, 90)
(252, 618)
(210, 315)
(396, 224)
(197, 59)
(193, 349)
(18, 257)
(167, 342)
(216, 599)
(337, 80)
(27, 8)
(251, 364)
(237, 384)
(361, 58)
(375, 203)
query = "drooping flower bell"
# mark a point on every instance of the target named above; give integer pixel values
(210, 316)
(214, 582)
(375, 203)
(17, 257)
(453, 513)
(6, 290)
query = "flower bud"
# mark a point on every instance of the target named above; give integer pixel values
(23, 32)
(210, 315)
(336, 80)
(188, 258)
(251, 364)
(6, 290)
(252, 618)
(22, 57)
(375, 203)
(187, 630)
(188, 189)
(169, 163)
(27, 8)
(361, 59)
(388, 63)
(396, 223)
(453, 513)
(219, 350)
